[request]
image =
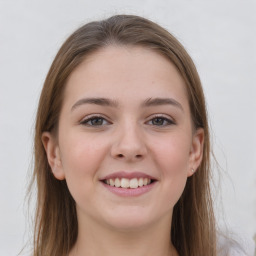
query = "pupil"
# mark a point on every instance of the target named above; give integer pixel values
(158, 121)
(97, 121)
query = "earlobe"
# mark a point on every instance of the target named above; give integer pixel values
(196, 152)
(53, 155)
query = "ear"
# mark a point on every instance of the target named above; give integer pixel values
(196, 151)
(53, 154)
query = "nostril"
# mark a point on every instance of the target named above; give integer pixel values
(122, 156)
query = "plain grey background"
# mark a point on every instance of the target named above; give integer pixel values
(220, 36)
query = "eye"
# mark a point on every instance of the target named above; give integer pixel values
(94, 121)
(161, 121)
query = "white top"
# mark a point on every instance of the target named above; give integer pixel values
(234, 247)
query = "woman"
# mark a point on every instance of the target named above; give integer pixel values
(122, 150)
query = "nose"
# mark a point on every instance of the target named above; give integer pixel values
(129, 144)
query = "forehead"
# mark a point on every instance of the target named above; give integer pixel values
(125, 73)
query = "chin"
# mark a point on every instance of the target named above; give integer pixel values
(130, 220)
(129, 225)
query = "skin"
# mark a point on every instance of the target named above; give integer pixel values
(129, 137)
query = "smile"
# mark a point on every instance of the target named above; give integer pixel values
(128, 183)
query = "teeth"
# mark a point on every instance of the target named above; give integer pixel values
(126, 183)
(111, 182)
(141, 182)
(134, 183)
(117, 183)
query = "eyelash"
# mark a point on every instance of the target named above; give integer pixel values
(165, 119)
(91, 118)
(95, 117)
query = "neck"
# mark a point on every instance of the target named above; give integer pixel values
(95, 239)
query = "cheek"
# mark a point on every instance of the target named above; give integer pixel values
(172, 159)
(172, 153)
(81, 158)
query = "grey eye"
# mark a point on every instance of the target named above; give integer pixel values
(161, 121)
(94, 121)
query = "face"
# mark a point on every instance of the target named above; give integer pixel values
(125, 143)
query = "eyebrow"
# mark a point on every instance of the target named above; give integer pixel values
(96, 101)
(150, 102)
(162, 101)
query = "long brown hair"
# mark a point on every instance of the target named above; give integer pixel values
(193, 226)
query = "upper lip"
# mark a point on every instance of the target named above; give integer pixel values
(127, 175)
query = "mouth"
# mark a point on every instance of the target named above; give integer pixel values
(127, 183)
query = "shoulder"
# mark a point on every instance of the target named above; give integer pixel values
(228, 246)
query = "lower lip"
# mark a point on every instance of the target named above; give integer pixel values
(129, 192)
